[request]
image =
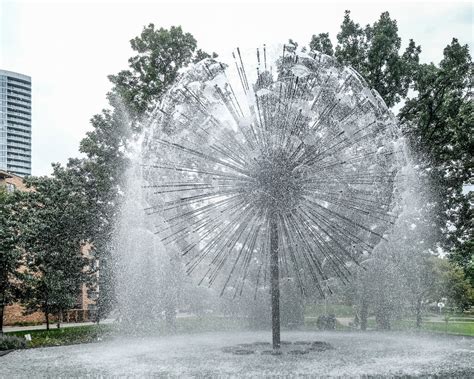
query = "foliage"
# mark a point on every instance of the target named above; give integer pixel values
(453, 285)
(27, 323)
(463, 255)
(322, 43)
(100, 175)
(66, 336)
(201, 54)
(326, 322)
(438, 123)
(10, 252)
(161, 53)
(12, 342)
(54, 234)
(373, 51)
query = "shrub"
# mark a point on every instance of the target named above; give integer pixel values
(326, 322)
(27, 323)
(10, 342)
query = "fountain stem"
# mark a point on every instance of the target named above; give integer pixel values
(275, 282)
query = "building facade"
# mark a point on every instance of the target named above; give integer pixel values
(15, 123)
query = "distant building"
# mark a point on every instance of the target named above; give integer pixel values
(11, 181)
(15, 123)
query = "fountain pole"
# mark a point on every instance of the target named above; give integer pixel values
(275, 281)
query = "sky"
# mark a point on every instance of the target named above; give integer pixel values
(69, 47)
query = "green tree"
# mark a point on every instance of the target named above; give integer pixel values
(453, 285)
(54, 236)
(101, 175)
(322, 43)
(463, 255)
(438, 123)
(201, 54)
(374, 51)
(11, 257)
(352, 45)
(161, 53)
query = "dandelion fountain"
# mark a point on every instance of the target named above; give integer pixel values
(273, 170)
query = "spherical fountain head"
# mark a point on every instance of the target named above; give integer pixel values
(278, 185)
(294, 135)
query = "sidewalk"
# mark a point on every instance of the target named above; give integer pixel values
(7, 329)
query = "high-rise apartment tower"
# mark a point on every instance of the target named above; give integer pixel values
(15, 123)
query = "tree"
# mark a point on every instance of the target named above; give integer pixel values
(11, 257)
(463, 256)
(201, 54)
(453, 285)
(161, 53)
(101, 175)
(54, 236)
(352, 46)
(322, 43)
(438, 123)
(373, 51)
(420, 280)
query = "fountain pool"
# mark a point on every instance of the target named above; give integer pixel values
(201, 355)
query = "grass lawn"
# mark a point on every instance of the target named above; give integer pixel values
(463, 328)
(94, 333)
(338, 309)
(65, 336)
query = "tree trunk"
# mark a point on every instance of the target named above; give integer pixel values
(60, 313)
(418, 313)
(171, 305)
(382, 319)
(170, 316)
(46, 315)
(96, 316)
(364, 312)
(275, 284)
(2, 307)
(1, 318)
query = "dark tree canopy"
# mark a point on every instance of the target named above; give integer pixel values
(351, 48)
(201, 54)
(11, 257)
(160, 54)
(54, 235)
(322, 43)
(374, 51)
(438, 123)
(438, 120)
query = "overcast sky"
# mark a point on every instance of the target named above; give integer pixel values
(69, 47)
